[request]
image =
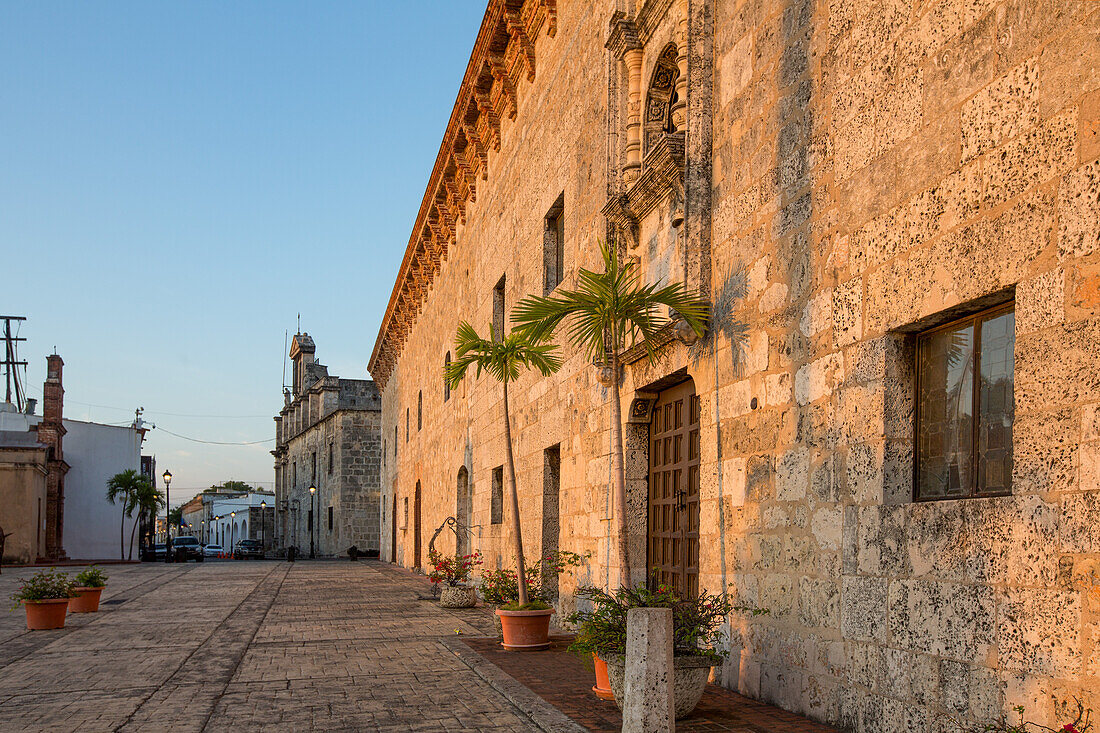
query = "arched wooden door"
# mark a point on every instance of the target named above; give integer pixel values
(673, 532)
(416, 527)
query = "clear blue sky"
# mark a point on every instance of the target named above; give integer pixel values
(179, 180)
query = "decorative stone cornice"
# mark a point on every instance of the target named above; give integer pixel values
(503, 57)
(622, 35)
(662, 177)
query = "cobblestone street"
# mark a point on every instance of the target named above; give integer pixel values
(248, 646)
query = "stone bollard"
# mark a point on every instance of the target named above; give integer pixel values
(648, 706)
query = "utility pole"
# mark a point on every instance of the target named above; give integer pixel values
(11, 361)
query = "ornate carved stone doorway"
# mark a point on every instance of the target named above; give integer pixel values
(673, 508)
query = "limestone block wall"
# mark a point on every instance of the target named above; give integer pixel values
(877, 169)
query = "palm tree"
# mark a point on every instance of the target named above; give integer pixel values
(503, 358)
(608, 311)
(148, 500)
(123, 488)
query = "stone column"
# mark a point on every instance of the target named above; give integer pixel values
(633, 167)
(679, 109)
(647, 688)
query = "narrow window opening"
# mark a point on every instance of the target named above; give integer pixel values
(446, 384)
(498, 309)
(551, 498)
(553, 246)
(330, 519)
(419, 410)
(496, 504)
(330, 463)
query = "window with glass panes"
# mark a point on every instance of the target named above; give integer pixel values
(965, 407)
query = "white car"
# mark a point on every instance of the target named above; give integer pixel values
(212, 550)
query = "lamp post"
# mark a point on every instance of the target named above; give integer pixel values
(167, 522)
(232, 523)
(263, 528)
(312, 491)
(202, 531)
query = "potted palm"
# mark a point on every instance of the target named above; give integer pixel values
(87, 590)
(525, 622)
(45, 598)
(452, 575)
(696, 633)
(609, 311)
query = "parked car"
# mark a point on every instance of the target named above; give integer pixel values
(187, 548)
(212, 550)
(248, 548)
(154, 553)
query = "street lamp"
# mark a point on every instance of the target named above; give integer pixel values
(167, 522)
(263, 528)
(312, 491)
(202, 531)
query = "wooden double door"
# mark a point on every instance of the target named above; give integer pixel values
(673, 522)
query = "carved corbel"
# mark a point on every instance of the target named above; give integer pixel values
(618, 213)
(503, 90)
(488, 124)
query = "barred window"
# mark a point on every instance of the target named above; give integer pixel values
(496, 504)
(965, 407)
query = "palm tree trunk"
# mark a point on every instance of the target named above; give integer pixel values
(509, 459)
(133, 531)
(122, 533)
(617, 469)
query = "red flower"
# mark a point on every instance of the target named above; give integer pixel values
(1068, 728)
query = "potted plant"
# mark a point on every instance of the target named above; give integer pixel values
(45, 597)
(87, 589)
(526, 621)
(695, 629)
(452, 574)
(501, 588)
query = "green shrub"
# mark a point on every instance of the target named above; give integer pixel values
(91, 577)
(696, 622)
(43, 586)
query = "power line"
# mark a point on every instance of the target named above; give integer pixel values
(216, 442)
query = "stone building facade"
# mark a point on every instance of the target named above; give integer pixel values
(327, 436)
(890, 435)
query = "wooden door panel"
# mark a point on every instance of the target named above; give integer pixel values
(674, 490)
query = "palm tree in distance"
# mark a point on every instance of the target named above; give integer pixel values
(609, 311)
(503, 358)
(124, 488)
(148, 500)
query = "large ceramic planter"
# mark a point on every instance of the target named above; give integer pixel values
(602, 688)
(457, 596)
(86, 600)
(525, 630)
(47, 614)
(688, 682)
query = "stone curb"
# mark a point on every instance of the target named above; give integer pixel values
(544, 715)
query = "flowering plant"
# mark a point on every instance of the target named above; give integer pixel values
(695, 621)
(452, 570)
(1081, 724)
(42, 586)
(500, 587)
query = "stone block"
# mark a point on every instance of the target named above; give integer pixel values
(818, 603)
(848, 312)
(1004, 109)
(1033, 158)
(1040, 301)
(863, 614)
(819, 378)
(792, 474)
(648, 683)
(1038, 631)
(1080, 525)
(1079, 211)
(943, 619)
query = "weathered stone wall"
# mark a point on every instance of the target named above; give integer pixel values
(877, 168)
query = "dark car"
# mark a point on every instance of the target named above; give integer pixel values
(187, 548)
(154, 553)
(248, 548)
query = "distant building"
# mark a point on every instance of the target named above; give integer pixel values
(53, 479)
(327, 436)
(238, 516)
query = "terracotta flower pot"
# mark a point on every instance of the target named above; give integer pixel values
(602, 688)
(689, 680)
(457, 596)
(86, 600)
(525, 630)
(46, 614)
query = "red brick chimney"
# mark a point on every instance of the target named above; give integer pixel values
(50, 432)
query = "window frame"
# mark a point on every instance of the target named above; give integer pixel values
(974, 319)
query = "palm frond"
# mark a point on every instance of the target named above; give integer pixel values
(503, 358)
